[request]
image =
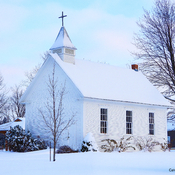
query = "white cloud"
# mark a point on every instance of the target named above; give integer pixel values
(11, 17)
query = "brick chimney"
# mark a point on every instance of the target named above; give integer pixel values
(135, 67)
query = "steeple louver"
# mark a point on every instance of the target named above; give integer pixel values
(64, 47)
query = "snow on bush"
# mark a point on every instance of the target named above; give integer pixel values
(132, 143)
(149, 144)
(89, 143)
(122, 145)
(19, 141)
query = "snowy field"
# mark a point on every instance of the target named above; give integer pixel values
(37, 163)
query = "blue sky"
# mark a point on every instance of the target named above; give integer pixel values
(100, 30)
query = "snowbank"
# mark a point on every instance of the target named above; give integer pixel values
(90, 163)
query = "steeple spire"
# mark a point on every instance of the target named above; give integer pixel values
(63, 45)
(63, 16)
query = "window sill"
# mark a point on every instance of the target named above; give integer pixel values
(103, 134)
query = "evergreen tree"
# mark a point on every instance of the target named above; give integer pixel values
(19, 141)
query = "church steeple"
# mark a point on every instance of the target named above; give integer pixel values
(63, 45)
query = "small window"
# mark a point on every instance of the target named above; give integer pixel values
(128, 122)
(103, 120)
(151, 123)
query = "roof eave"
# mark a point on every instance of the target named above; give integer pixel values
(74, 48)
(131, 102)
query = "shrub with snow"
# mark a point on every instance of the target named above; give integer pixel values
(131, 143)
(149, 144)
(19, 141)
(122, 145)
(89, 143)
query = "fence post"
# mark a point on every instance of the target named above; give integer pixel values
(50, 151)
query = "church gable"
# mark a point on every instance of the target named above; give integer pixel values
(37, 96)
(40, 82)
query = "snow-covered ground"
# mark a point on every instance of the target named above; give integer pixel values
(37, 163)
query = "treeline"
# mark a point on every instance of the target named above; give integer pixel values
(10, 108)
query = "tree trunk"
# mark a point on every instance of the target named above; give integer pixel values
(54, 150)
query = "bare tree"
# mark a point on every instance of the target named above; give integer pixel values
(155, 44)
(31, 74)
(171, 115)
(17, 109)
(54, 116)
(3, 102)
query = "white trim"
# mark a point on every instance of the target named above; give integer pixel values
(128, 102)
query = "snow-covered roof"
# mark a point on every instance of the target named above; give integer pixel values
(62, 40)
(103, 81)
(18, 121)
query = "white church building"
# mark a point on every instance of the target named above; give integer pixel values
(110, 102)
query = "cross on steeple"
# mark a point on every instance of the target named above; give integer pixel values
(62, 18)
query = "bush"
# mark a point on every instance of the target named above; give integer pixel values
(89, 143)
(122, 145)
(149, 144)
(65, 149)
(142, 143)
(164, 146)
(86, 146)
(110, 146)
(19, 141)
(146, 144)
